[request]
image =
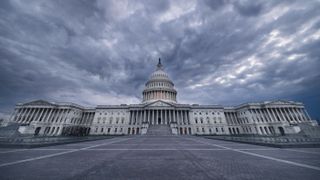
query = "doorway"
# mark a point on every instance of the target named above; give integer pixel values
(159, 121)
(281, 131)
(36, 132)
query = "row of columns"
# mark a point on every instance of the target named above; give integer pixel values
(159, 116)
(27, 115)
(284, 114)
(231, 118)
(272, 115)
(159, 95)
(86, 118)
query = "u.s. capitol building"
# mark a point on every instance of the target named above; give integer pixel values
(160, 110)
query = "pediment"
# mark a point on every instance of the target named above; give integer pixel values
(160, 104)
(39, 103)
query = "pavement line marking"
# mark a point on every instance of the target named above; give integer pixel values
(307, 152)
(263, 156)
(142, 149)
(145, 149)
(16, 150)
(57, 154)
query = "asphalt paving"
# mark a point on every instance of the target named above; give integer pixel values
(160, 157)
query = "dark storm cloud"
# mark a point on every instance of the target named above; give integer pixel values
(102, 52)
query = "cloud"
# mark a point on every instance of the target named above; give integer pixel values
(102, 52)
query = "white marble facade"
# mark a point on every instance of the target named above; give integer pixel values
(159, 106)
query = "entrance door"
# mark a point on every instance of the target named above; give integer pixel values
(281, 131)
(36, 132)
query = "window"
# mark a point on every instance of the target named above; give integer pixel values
(117, 120)
(101, 129)
(202, 129)
(115, 130)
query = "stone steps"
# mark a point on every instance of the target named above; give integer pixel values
(156, 130)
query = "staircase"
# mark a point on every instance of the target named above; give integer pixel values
(159, 130)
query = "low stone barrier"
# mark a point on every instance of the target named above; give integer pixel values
(32, 142)
(280, 142)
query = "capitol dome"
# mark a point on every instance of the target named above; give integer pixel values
(159, 87)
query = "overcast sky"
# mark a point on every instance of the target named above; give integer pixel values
(216, 52)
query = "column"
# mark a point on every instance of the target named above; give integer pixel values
(284, 115)
(31, 115)
(36, 113)
(308, 117)
(157, 115)
(274, 114)
(269, 114)
(279, 114)
(234, 118)
(130, 117)
(135, 117)
(169, 116)
(22, 110)
(65, 116)
(299, 115)
(174, 116)
(39, 114)
(44, 117)
(161, 115)
(165, 116)
(287, 110)
(139, 117)
(47, 119)
(149, 117)
(58, 113)
(293, 114)
(24, 117)
(50, 119)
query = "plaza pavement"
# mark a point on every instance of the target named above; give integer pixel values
(160, 157)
